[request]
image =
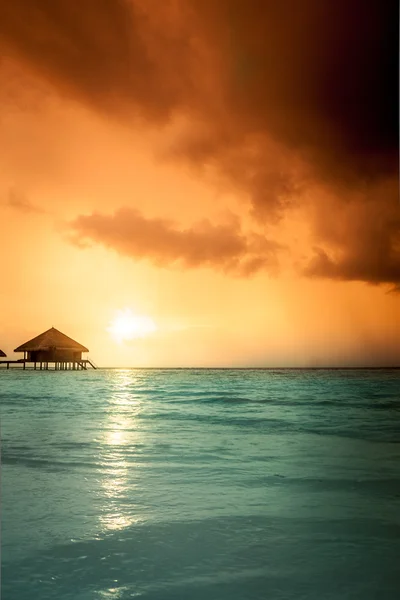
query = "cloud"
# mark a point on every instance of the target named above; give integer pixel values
(19, 202)
(364, 243)
(277, 97)
(296, 72)
(223, 247)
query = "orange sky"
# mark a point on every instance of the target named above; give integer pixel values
(194, 207)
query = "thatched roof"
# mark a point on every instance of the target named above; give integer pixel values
(2, 354)
(52, 338)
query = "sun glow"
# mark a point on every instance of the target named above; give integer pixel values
(128, 326)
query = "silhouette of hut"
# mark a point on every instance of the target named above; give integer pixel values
(2, 354)
(52, 346)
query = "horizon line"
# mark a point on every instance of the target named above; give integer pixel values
(322, 368)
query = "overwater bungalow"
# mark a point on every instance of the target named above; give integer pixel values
(2, 354)
(55, 349)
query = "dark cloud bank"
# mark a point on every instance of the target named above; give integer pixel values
(283, 96)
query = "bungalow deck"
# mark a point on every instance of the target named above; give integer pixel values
(47, 366)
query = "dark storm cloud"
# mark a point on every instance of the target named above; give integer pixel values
(202, 245)
(364, 244)
(101, 52)
(282, 95)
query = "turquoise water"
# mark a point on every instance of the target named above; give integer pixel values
(200, 484)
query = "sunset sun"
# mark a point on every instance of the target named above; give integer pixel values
(128, 326)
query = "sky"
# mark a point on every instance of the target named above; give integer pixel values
(227, 169)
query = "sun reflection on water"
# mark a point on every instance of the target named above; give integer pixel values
(116, 438)
(120, 436)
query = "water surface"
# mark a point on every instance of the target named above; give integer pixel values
(200, 484)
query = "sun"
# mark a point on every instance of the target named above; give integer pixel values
(128, 326)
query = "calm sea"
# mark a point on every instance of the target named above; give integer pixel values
(200, 484)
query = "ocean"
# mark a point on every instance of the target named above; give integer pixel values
(200, 484)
